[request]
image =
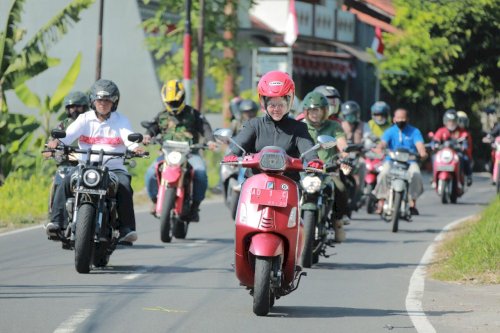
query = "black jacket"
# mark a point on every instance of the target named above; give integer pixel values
(288, 133)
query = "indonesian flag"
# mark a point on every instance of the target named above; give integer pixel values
(292, 27)
(378, 44)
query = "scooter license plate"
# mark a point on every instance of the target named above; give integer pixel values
(445, 168)
(267, 197)
(90, 191)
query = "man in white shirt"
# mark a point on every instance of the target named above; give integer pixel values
(101, 128)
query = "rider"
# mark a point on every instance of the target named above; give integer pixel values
(401, 135)
(180, 122)
(333, 97)
(354, 130)
(380, 118)
(276, 93)
(463, 124)
(101, 128)
(315, 110)
(247, 109)
(451, 130)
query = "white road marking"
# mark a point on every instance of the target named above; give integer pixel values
(417, 283)
(138, 273)
(8, 233)
(72, 323)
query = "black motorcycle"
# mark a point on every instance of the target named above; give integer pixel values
(92, 225)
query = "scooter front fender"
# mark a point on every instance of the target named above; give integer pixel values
(370, 178)
(266, 245)
(171, 175)
(443, 175)
(398, 185)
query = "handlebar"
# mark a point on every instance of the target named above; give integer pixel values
(71, 149)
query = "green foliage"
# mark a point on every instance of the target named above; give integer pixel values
(21, 60)
(474, 253)
(448, 52)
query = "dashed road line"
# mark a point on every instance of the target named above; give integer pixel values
(72, 323)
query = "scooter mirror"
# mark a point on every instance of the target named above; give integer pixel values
(135, 137)
(327, 141)
(146, 124)
(58, 134)
(223, 135)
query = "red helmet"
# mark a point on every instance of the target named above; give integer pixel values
(276, 84)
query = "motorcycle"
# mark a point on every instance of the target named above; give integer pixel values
(175, 187)
(373, 163)
(495, 157)
(447, 171)
(269, 235)
(316, 206)
(397, 206)
(353, 188)
(92, 225)
(230, 187)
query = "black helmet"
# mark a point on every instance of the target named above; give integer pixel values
(450, 119)
(104, 89)
(350, 111)
(76, 98)
(247, 105)
(328, 91)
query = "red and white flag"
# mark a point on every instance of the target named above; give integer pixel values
(292, 27)
(378, 44)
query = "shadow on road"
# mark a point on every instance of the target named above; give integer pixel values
(351, 267)
(337, 312)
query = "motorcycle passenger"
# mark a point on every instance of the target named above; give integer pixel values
(333, 97)
(354, 130)
(401, 135)
(247, 109)
(180, 122)
(451, 130)
(380, 118)
(315, 109)
(276, 93)
(101, 128)
(463, 124)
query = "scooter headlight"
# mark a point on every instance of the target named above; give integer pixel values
(174, 158)
(292, 219)
(91, 178)
(242, 213)
(446, 156)
(311, 184)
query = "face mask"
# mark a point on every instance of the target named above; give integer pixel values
(401, 124)
(380, 121)
(451, 128)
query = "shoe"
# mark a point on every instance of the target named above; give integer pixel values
(433, 184)
(194, 215)
(339, 231)
(52, 229)
(380, 207)
(414, 211)
(469, 181)
(152, 209)
(346, 220)
(127, 236)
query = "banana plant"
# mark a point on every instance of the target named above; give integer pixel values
(21, 60)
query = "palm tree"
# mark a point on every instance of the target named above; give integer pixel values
(16, 67)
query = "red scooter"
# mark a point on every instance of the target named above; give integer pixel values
(448, 175)
(269, 233)
(495, 157)
(373, 165)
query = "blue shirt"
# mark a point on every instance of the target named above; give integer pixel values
(406, 138)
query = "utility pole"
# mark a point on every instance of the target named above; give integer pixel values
(187, 53)
(99, 42)
(201, 61)
(229, 54)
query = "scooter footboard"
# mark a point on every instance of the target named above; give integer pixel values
(266, 245)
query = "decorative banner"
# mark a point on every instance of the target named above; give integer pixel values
(377, 43)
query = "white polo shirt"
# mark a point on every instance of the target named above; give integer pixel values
(109, 135)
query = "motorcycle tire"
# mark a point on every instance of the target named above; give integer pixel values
(445, 190)
(309, 222)
(371, 204)
(180, 229)
(398, 196)
(233, 202)
(84, 237)
(101, 256)
(454, 192)
(165, 217)
(262, 286)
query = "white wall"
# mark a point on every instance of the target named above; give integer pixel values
(125, 59)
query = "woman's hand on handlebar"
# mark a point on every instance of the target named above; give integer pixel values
(52, 144)
(146, 139)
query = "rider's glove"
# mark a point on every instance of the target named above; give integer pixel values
(230, 158)
(315, 164)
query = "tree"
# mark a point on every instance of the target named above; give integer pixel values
(20, 63)
(448, 51)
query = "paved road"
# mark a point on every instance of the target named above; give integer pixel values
(189, 286)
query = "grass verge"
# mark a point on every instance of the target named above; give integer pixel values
(471, 252)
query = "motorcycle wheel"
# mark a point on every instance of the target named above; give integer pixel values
(398, 196)
(445, 190)
(165, 217)
(101, 257)
(453, 192)
(262, 286)
(371, 202)
(309, 221)
(233, 198)
(84, 237)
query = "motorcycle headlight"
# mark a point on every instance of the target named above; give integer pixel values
(91, 178)
(174, 158)
(311, 184)
(272, 161)
(292, 219)
(446, 156)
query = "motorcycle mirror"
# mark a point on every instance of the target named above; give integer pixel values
(58, 134)
(327, 141)
(132, 164)
(430, 135)
(135, 137)
(224, 135)
(146, 124)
